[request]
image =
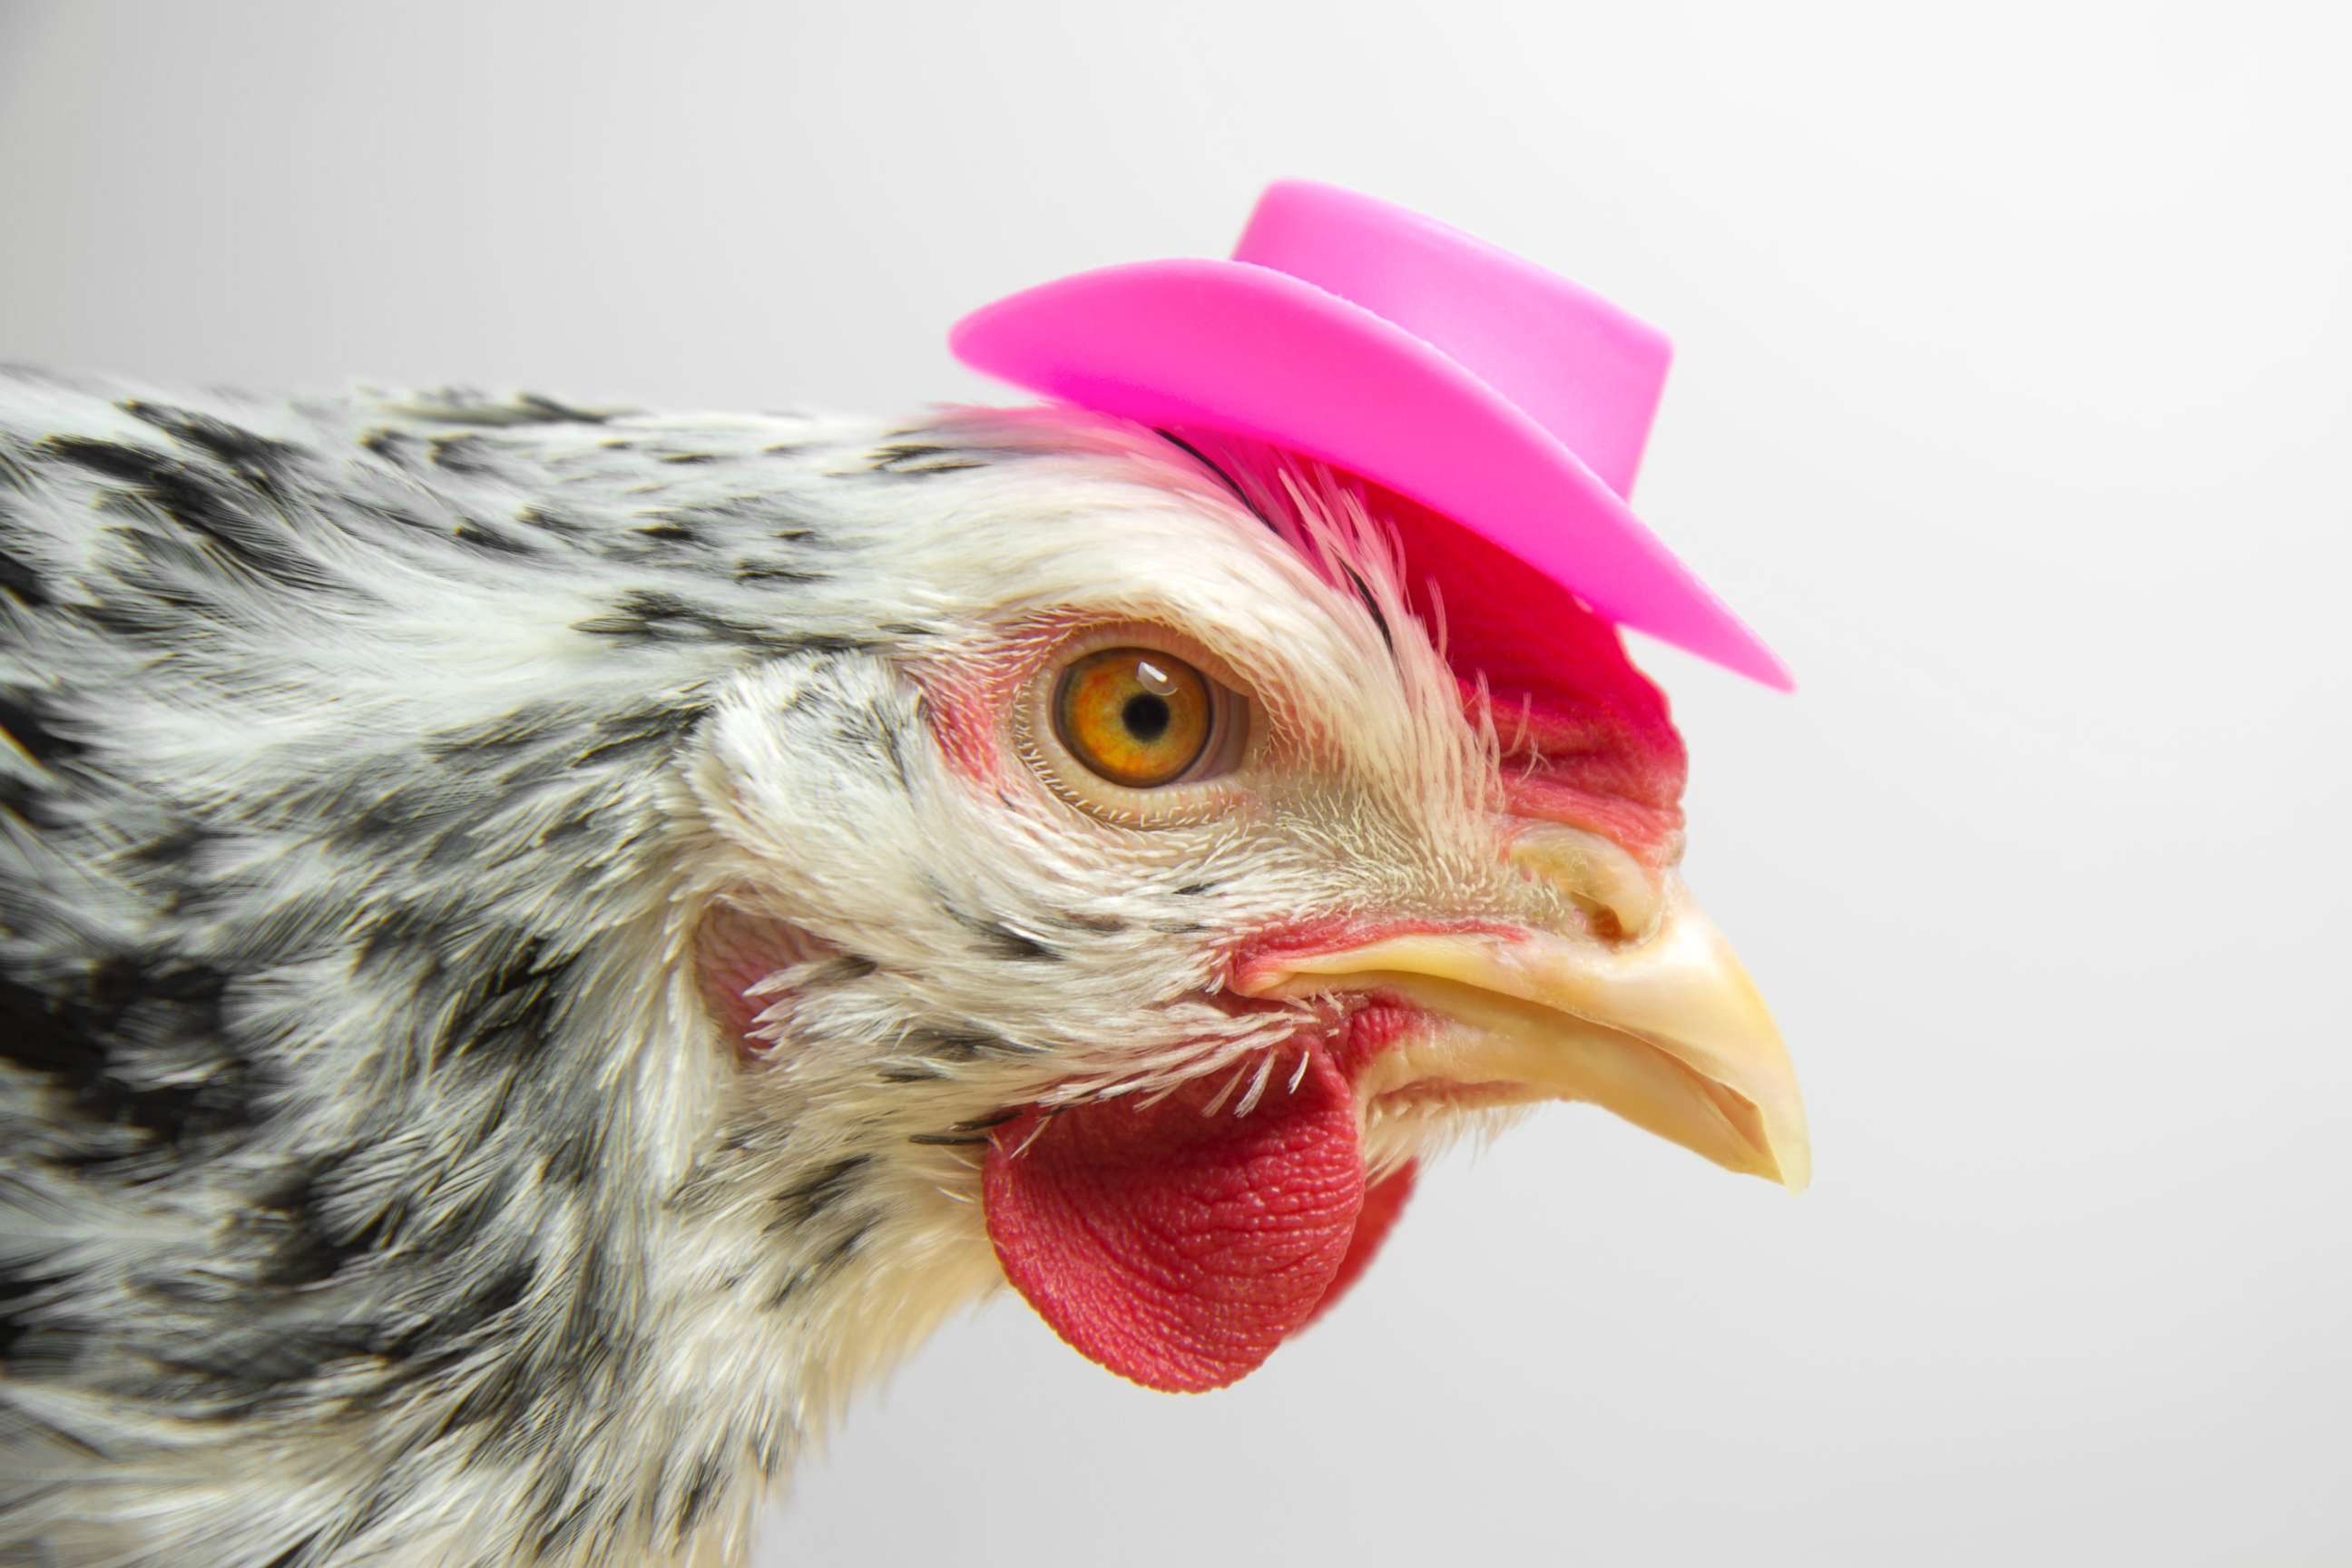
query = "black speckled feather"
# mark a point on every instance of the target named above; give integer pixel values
(332, 800)
(383, 1177)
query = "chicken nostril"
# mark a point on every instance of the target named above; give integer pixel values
(1602, 919)
(1621, 900)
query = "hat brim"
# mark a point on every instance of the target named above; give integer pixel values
(1233, 346)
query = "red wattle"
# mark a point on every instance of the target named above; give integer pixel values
(1177, 1248)
(1383, 1202)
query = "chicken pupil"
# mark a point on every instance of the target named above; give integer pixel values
(1145, 715)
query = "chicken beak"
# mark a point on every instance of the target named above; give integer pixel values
(1666, 1031)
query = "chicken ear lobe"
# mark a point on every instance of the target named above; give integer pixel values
(1177, 1244)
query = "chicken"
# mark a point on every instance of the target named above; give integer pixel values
(541, 948)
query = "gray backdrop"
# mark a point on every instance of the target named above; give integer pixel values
(2013, 405)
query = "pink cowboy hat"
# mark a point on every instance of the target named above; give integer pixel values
(1511, 401)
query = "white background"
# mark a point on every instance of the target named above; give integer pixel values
(2013, 403)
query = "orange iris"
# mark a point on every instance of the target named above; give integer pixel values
(1135, 715)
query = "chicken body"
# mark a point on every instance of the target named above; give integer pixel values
(521, 930)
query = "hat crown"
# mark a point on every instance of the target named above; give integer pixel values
(1510, 403)
(1584, 370)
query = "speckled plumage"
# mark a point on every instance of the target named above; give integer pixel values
(375, 1185)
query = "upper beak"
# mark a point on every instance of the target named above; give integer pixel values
(1666, 1031)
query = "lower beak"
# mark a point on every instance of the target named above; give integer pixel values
(1667, 1032)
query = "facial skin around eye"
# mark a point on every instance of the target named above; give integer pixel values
(1137, 717)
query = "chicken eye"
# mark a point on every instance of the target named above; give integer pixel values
(1135, 716)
